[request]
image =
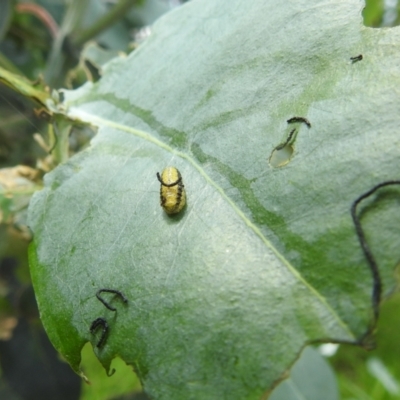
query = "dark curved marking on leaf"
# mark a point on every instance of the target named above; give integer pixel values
(117, 292)
(377, 287)
(356, 58)
(104, 325)
(169, 184)
(299, 119)
(282, 145)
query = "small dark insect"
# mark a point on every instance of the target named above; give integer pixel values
(172, 191)
(124, 299)
(356, 58)
(281, 146)
(377, 288)
(104, 325)
(299, 119)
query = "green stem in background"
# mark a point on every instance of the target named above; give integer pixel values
(9, 65)
(116, 13)
(5, 17)
(22, 85)
(60, 131)
(56, 62)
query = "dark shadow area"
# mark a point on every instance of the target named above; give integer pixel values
(31, 368)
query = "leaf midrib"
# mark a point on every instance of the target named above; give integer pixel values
(86, 117)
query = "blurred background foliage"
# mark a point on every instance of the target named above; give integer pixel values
(64, 43)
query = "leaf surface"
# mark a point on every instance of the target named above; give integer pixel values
(263, 259)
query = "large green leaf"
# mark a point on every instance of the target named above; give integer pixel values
(263, 259)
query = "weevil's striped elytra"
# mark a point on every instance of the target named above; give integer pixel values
(172, 190)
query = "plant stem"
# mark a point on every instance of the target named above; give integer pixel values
(60, 131)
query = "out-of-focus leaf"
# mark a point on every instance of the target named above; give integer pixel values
(147, 12)
(92, 58)
(311, 378)
(373, 13)
(97, 55)
(117, 35)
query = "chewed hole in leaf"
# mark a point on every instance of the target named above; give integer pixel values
(281, 157)
(282, 153)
